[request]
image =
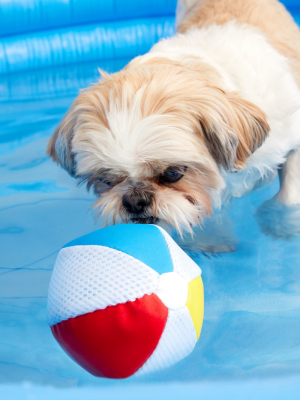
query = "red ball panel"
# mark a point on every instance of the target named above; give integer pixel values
(117, 341)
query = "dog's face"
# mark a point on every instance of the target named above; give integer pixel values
(152, 141)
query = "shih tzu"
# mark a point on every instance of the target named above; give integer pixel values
(206, 115)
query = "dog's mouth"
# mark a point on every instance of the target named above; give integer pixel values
(147, 220)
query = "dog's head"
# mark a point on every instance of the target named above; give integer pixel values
(152, 141)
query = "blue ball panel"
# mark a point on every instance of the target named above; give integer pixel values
(143, 242)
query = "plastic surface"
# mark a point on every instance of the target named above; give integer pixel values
(23, 16)
(249, 345)
(38, 34)
(82, 44)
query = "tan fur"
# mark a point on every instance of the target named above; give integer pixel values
(87, 106)
(189, 92)
(196, 188)
(199, 126)
(270, 16)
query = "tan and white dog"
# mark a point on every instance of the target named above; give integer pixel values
(160, 140)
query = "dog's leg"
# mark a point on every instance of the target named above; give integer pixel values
(280, 216)
(214, 237)
(289, 175)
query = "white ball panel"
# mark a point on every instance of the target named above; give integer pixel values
(177, 341)
(172, 289)
(89, 278)
(183, 264)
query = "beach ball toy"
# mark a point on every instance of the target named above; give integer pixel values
(125, 300)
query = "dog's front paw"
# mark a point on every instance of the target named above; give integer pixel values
(278, 220)
(215, 237)
(207, 249)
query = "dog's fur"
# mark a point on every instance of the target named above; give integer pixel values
(221, 96)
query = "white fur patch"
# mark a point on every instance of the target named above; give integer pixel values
(249, 65)
(144, 140)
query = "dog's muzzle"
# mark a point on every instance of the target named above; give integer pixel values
(136, 203)
(147, 220)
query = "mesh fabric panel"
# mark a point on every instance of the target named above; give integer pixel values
(89, 278)
(177, 341)
(183, 264)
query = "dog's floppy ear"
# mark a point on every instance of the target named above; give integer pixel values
(234, 130)
(88, 110)
(60, 144)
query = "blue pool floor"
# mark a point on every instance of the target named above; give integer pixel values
(252, 296)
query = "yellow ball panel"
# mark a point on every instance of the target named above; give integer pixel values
(195, 303)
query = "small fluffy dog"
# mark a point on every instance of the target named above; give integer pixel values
(206, 115)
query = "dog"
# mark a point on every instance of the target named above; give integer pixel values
(207, 115)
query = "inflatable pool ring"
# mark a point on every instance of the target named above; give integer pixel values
(125, 300)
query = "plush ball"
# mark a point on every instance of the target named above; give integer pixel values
(125, 300)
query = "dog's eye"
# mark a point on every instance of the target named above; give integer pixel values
(171, 176)
(105, 182)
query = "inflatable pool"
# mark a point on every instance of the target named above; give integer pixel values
(250, 343)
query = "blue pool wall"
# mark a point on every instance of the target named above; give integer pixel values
(37, 34)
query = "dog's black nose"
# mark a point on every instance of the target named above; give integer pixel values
(135, 203)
